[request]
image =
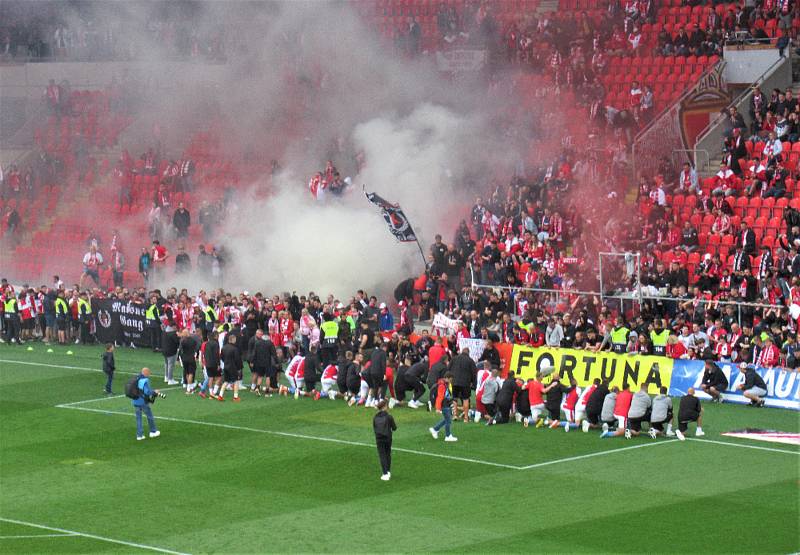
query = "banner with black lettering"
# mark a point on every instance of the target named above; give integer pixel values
(585, 366)
(119, 322)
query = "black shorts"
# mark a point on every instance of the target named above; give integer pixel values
(553, 412)
(490, 408)
(462, 392)
(62, 324)
(213, 372)
(593, 418)
(354, 387)
(231, 376)
(272, 375)
(635, 424)
(258, 371)
(29, 324)
(375, 381)
(189, 366)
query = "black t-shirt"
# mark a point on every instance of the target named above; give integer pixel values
(383, 425)
(689, 408)
(594, 405)
(438, 251)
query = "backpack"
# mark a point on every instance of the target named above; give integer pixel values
(132, 388)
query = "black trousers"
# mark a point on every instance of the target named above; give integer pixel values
(384, 453)
(502, 414)
(155, 336)
(85, 335)
(11, 322)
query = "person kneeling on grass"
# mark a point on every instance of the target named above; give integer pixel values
(622, 405)
(555, 394)
(714, 381)
(329, 381)
(594, 405)
(661, 413)
(640, 410)
(753, 387)
(409, 378)
(444, 403)
(312, 369)
(572, 418)
(505, 400)
(383, 425)
(486, 392)
(607, 412)
(689, 410)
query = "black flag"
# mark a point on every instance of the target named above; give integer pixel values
(395, 218)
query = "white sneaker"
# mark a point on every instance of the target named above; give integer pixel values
(392, 402)
(518, 417)
(585, 426)
(139, 438)
(434, 433)
(76, 341)
(652, 433)
(296, 394)
(332, 396)
(155, 434)
(412, 404)
(680, 435)
(670, 433)
(699, 432)
(627, 434)
(477, 417)
(605, 427)
(386, 477)
(172, 382)
(351, 402)
(451, 438)
(566, 427)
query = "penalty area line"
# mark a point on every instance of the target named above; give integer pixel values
(66, 532)
(45, 365)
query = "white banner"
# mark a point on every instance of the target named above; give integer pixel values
(449, 325)
(475, 346)
(455, 61)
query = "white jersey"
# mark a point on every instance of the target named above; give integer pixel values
(483, 375)
(294, 365)
(583, 399)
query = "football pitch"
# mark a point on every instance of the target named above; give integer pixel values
(284, 475)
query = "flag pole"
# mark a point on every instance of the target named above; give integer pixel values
(421, 252)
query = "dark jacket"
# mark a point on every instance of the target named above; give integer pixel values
(211, 354)
(383, 425)
(752, 379)
(594, 405)
(377, 361)
(231, 357)
(463, 370)
(169, 343)
(715, 378)
(689, 408)
(188, 349)
(312, 367)
(108, 363)
(436, 372)
(506, 394)
(263, 354)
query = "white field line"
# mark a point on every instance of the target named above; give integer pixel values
(32, 536)
(65, 367)
(746, 446)
(106, 398)
(298, 436)
(91, 536)
(597, 454)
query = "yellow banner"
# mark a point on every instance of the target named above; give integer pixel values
(585, 366)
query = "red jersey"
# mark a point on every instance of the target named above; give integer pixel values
(623, 403)
(330, 372)
(572, 399)
(535, 392)
(435, 354)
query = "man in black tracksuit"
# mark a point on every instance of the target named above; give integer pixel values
(376, 373)
(689, 410)
(436, 373)
(464, 380)
(594, 405)
(313, 368)
(232, 361)
(383, 425)
(553, 400)
(714, 381)
(263, 357)
(409, 378)
(344, 362)
(187, 351)
(505, 398)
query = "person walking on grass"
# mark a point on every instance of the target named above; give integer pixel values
(383, 425)
(444, 404)
(141, 404)
(108, 366)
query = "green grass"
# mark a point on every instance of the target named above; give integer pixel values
(204, 488)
